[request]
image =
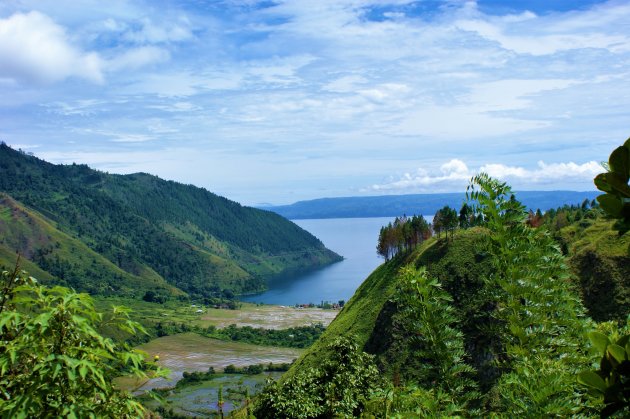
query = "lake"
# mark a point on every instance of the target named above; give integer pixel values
(354, 239)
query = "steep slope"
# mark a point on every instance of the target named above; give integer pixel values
(600, 260)
(194, 240)
(368, 314)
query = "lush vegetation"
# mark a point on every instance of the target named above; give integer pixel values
(112, 234)
(339, 386)
(598, 256)
(294, 337)
(53, 361)
(488, 322)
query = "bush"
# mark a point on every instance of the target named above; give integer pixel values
(53, 362)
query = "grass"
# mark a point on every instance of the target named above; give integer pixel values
(600, 260)
(8, 258)
(596, 235)
(5, 214)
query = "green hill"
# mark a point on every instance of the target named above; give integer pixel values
(600, 260)
(368, 314)
(598, 257)
(124, 234)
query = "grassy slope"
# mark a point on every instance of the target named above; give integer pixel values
(367, 315)
(600, 260)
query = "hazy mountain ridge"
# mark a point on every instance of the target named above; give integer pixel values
(426, 204)
(178, 235)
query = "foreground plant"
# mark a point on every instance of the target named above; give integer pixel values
(337, 388)
(611, 381)
(542, 316)
(54, 362)
(616, 200)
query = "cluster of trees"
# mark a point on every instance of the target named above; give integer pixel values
(402, 235)
(554, 219)
(405, 233)
(293, 337)
(339, 387)
(445, 220)
(253, 369)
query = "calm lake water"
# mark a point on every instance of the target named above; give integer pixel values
(354, 239)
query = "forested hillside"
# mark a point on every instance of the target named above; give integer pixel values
(114, 234)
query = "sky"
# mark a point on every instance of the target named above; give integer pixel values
(280, 101)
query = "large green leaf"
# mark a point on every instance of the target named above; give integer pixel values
(602, 183)
(617, 352)
(618, 183)
(619, 162)
(611, 204)
(622, 341)
(599, 341)
(591, 379)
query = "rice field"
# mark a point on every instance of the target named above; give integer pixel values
(191, 352)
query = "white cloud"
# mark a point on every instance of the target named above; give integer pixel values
(82, 107)
(326, 86)
(136, 58)
(455, 174)
(153, 33)
(544, 35)
(33, 48)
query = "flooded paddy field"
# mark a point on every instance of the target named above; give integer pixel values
(200, 400)
(191, 352)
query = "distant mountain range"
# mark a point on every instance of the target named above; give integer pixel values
(127, 234)
(426, 204)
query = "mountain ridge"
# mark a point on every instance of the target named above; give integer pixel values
(195, 241)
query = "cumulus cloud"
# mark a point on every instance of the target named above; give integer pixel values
(33, 48)
(455, 174)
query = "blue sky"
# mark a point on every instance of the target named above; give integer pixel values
(277, 101)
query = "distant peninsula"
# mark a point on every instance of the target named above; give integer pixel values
(426, 204)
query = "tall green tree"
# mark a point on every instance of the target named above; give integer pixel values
(543, 316)
(428, 320)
